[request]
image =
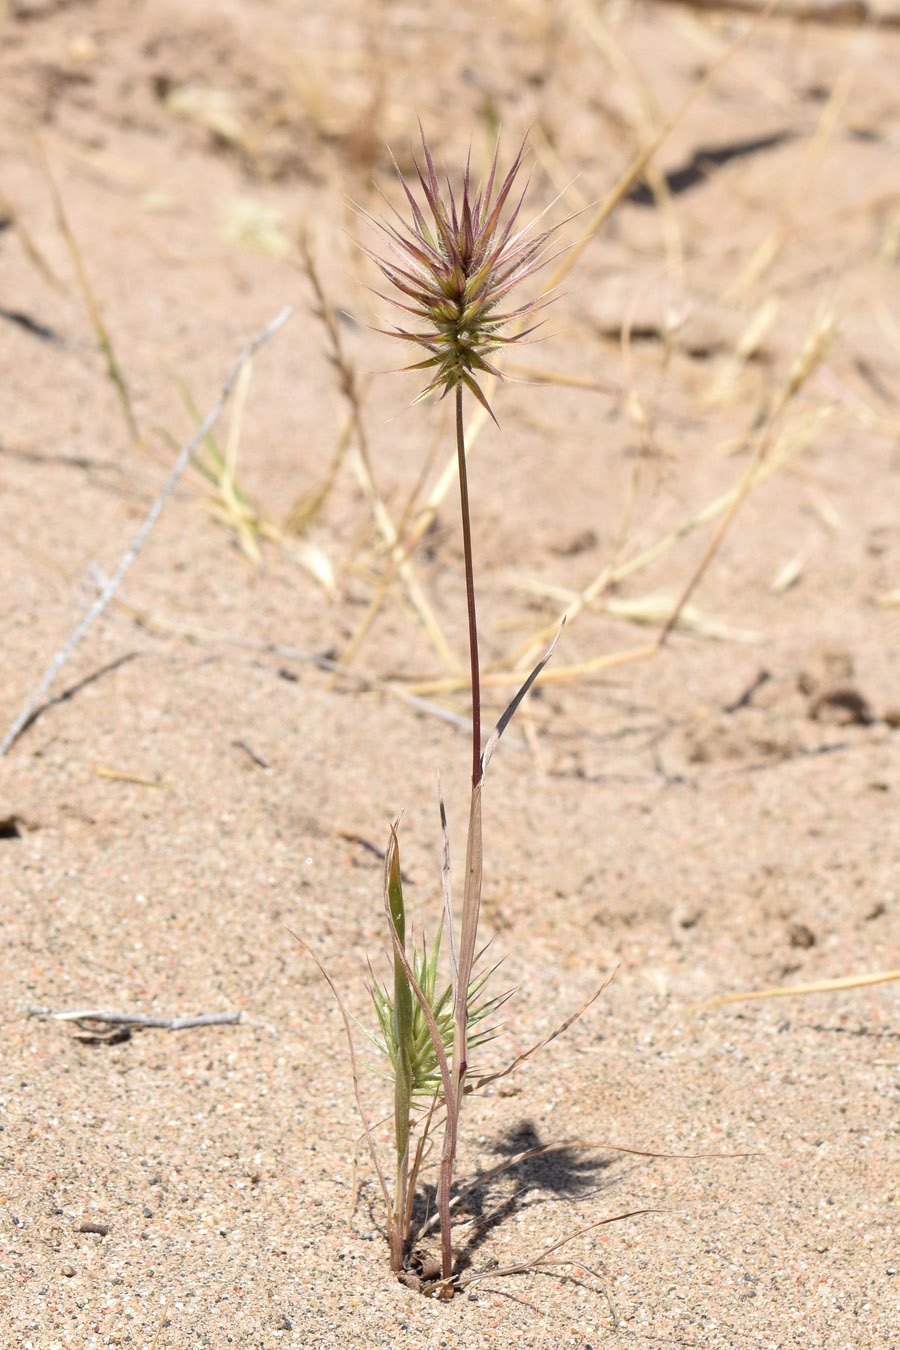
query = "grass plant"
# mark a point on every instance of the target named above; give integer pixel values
(453, 267)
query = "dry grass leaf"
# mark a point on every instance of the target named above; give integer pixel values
(126, 776)
(316, 561)
(789, 574)
(655, 609)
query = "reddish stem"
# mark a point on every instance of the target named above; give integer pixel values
(470, 589)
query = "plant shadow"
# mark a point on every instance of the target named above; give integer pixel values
(562, 1173)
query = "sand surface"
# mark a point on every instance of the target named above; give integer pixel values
(721, 817)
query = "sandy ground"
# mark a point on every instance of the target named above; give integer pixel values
(720, 818)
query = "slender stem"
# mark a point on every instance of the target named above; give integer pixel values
(470, 589)
(402, 1020)
(470, 917)
(445, 1180)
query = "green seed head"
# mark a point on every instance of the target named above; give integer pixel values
(426, 1074)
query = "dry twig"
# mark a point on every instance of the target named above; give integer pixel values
(109, 1017)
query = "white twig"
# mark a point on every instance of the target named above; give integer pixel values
(126, 1019)
(112, 585)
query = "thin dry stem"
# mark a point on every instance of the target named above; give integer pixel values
(586, 1146)
(541, 1259)
(539, 1045)
(354, 1073)
(360, 463)
(391, 572)
(816, 987)
(641, 161)
(32, 252)
(101, 332)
